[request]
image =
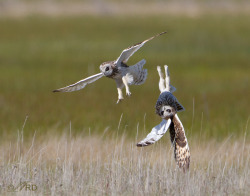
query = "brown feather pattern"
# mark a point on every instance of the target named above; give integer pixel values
(180, 144)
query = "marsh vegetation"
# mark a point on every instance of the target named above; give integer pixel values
(71, 143)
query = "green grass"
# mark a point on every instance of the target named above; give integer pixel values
(208, 58)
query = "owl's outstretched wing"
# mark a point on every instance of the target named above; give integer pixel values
(156, 133)
(80, 84)
(128, 52)
(180, 143)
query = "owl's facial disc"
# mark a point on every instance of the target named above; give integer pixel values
(106, 69)
(167, 112)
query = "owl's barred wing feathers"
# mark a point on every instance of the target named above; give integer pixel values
(156, 133)
(180, 143)
(177, 137)
(128, 52)
(80, 84)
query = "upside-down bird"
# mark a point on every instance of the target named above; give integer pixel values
(118, 70)
(167, 107)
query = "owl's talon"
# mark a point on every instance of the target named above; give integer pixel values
(128, 94)
(119, 100)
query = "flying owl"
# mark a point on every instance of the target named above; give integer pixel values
(167, 107)
(118, 70)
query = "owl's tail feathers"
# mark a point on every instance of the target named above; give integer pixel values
(137, 75)
(172, 89)
(179, 106)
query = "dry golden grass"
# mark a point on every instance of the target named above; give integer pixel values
(113, 165)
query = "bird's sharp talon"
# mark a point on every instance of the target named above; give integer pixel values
(119, 100)
(128, 94)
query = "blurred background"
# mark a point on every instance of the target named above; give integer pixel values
(45, 45)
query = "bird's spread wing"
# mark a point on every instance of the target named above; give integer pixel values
(80, 84)
(156, 133)
(128, 52)
(180, 143)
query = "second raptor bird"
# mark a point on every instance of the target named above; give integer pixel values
(118, 70)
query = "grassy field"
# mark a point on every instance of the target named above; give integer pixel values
(111, 165)
(208, 58)
(83, 143)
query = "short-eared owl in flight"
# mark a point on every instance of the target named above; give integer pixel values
(167, 107)
(118, 70)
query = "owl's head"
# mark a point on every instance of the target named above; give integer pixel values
(167, 112)
(167, 105)
(107, 68)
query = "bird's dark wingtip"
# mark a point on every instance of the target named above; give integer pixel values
(162, 32)
(139, 145)
(54, 91)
